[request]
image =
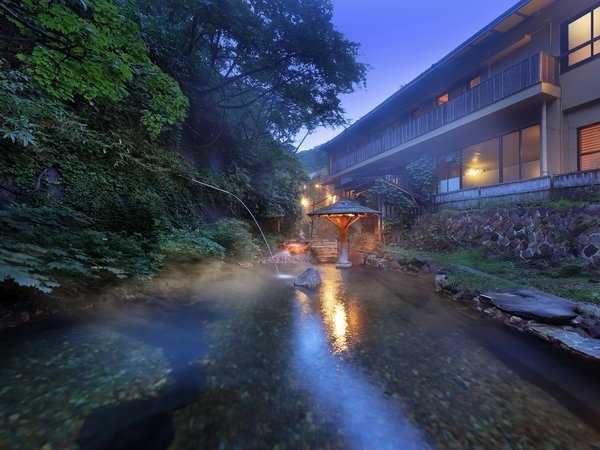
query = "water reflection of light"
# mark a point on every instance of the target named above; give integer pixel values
(340, 325)
(304, 301)
(363, 417)
(341, 317)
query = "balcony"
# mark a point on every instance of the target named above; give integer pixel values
(539, 68)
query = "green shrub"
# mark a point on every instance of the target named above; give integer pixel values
(234, 235)
(190, 246)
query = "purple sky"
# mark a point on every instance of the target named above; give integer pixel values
(399, 40)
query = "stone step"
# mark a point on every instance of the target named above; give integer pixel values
(325, 251)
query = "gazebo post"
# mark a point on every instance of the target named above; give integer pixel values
(343, 262)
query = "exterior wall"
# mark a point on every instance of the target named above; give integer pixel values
(528, 233)
(581, 85)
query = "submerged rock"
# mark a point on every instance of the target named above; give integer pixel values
(543, 307)
(440, 282)
(309, 278)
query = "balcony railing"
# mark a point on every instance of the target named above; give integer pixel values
(533, 70)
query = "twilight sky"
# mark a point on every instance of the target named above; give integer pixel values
(399, 40)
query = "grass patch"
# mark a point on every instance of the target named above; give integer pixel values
(565, 278)
(461, 279)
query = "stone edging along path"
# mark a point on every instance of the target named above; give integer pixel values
(567, 324)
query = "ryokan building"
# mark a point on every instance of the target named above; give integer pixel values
(513, 111)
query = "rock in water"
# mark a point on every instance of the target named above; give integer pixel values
(543, 307)
(440, 282)
(310, 278)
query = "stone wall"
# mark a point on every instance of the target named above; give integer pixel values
(528, 232)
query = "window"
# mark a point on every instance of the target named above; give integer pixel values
(581, 38)
(589, 147)
(511, 150)
(481, 164)
(475, 82)
(448, 172)
(442, 99)
(521, 154)
(530, 152)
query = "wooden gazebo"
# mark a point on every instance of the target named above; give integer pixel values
(343, 215)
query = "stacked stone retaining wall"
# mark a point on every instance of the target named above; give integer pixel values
(528, 232)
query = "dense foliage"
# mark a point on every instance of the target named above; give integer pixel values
(422, 176)
(405, 206)
(108, 107)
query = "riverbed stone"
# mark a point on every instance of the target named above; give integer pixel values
(543, 307)
(570, 339)
(515, 320)
(440, 282)
(589, 310)
(594, 331)
(309, 278)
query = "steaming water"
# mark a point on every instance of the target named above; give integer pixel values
(371, 359)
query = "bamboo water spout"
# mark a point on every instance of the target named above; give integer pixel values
(193, 180)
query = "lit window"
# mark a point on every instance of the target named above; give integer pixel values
(582, 38)
(521, 154)
(442, 99)
(475, 82)
(481, 164)
(589, 147)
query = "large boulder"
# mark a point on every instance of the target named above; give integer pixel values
(533, 305)
(308, 278)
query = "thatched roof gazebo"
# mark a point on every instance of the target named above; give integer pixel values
(343, 215)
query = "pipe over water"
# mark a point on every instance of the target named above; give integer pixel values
(193, 180)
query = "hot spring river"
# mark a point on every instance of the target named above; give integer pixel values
(371, 360)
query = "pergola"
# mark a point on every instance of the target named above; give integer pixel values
(343, 215)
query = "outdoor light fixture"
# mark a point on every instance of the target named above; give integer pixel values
(304, 202)
(473, 171)
(317, 186)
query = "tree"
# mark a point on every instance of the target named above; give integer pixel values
(88, 49)
(279, 61)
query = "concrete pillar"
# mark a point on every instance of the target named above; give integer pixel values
(544, 140)
(554, 153)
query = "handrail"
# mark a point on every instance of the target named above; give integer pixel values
(538, 68)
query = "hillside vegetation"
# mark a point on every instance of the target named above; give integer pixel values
(107, 108)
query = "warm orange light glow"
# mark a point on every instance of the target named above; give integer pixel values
(475, 82)
(473, 171)
(334, 315)
(317, 186)
(334, 198)
(304, 202)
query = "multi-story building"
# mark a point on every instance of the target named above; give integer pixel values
(509, 112)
